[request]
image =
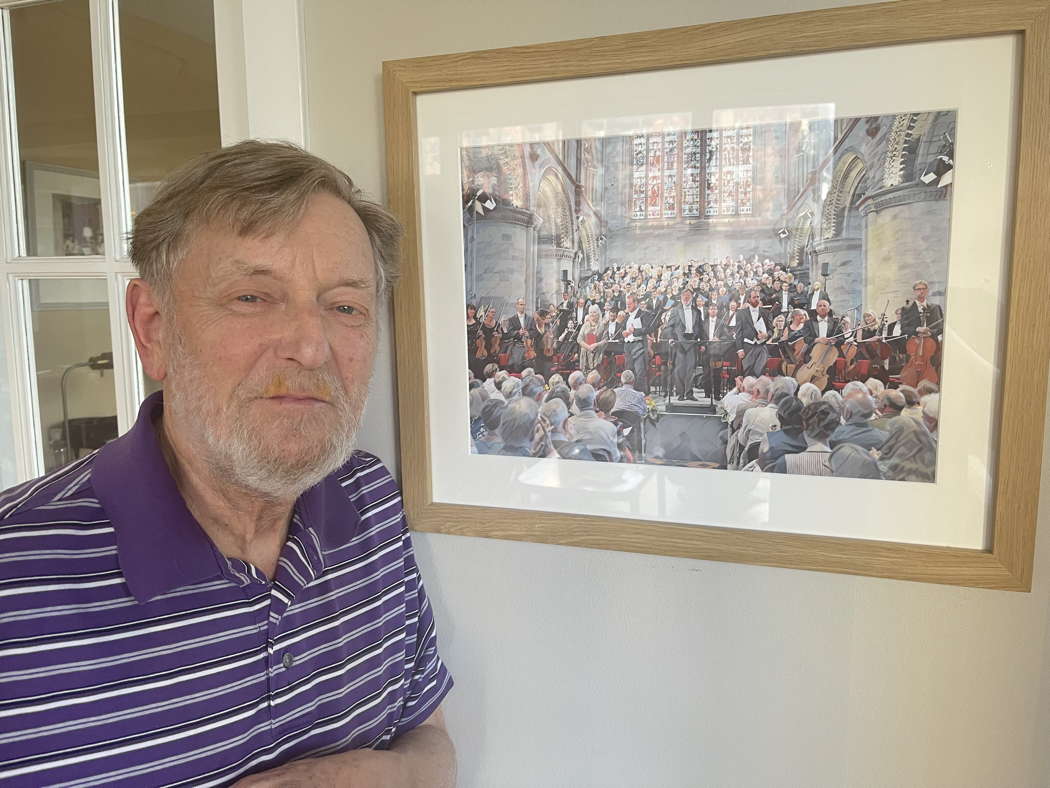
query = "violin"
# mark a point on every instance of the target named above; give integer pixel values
(480, 351)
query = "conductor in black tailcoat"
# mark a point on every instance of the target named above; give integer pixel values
(636, 347)
(515, 332)
(754, 326)
(685, 328)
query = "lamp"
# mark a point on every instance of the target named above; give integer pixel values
(102, 361)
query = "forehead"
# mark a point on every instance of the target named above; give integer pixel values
(327, 246)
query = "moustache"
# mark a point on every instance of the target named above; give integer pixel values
(319, 385)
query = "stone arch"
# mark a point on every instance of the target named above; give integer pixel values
(801, 236)
(554, 208)
(846, 179)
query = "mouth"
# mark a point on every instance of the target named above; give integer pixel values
(300, 400)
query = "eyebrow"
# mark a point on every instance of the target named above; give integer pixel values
(244, 268)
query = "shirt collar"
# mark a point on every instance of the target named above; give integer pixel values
(160, 545)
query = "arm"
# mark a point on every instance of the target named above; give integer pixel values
(420, 758)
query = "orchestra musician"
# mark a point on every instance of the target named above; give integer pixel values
(492, 333)
(894, 336)
(823, 328)
(591, 338)
(515, 332)
(782, 300)
(816, 295)
(685, 329)
(635, 342)
(717, 344)
(542, 335)
(922, 317)
(475, 359)
(754, 329)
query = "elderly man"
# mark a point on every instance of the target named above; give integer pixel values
(627, 397)
(856, 425)
(597, 434)
(232, 590)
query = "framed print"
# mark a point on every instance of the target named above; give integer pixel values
(731, 293)
(63, 210)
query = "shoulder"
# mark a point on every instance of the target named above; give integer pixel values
(369, 485)
(53, 490)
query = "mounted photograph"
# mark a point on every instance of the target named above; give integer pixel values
(765, 295)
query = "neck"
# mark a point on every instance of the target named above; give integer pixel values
(239, 522)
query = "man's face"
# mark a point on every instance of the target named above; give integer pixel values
(712, 311)
(920, 292)
(520, 306)
(267, 353)
(755, 299)
(581, 302)
(823, 307)
(687, 297)
(632, 303)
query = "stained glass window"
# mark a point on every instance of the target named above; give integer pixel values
(679, 174)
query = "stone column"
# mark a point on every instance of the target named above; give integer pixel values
(906, 238)
(845, 279)
(500, 256)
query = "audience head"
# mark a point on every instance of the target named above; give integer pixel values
(891, 402)
(532, 388)
(627, 377)
(576, 379)
(927, 387)
(555, 412)
(518, 424)
(555, 380)
(834, 399)
(511, 389)
(584, 397)
(760, 388)
(478, 398)
(605, 401)
(819, 420)
(490, 371)
(808, 393)
(789, 414)
(491, 413)
(594, 377)
(875, 386)
(855, 389)
(911, 396)
(561, 391)
(857, 410)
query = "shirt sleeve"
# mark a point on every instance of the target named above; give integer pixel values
(426, 678)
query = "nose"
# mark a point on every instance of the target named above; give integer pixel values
(303, 337)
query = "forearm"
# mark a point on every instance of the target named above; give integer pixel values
(421, 758)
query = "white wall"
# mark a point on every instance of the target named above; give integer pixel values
(589, 668)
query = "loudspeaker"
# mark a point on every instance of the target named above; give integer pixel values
(687, 438)
(825, 269)
(564, 275)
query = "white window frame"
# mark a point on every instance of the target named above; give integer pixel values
(260, 60)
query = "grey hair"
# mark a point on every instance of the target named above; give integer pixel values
(555, 412)
(510, 389)
(254, 188)
(518, 422)
(584, 397)
(857, 409)
(627, 377)
(576, 379)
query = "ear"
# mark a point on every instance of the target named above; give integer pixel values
(147, 325)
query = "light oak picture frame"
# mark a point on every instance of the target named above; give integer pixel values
(1007, 564)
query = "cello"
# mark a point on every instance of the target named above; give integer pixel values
(920, 349)
(822, 356)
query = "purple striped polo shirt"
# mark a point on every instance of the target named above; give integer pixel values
(132, 652)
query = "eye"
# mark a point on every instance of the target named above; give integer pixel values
(248, 298)
(347, 309)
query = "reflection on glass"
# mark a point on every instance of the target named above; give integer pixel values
(171, 99)
(74, 361)
(51, 52)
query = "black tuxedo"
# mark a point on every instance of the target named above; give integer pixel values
(636, 347)
(778, 304)
(755, 351)
(812, 331)
(686, 340)
(809, 307)
(513, 326)
(911, 319)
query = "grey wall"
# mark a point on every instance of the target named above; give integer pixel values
(589, 668)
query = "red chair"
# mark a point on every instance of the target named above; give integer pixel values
(503, 359)
(773, 366)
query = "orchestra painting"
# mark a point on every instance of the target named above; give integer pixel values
(769, 298)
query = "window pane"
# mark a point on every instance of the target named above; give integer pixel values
(171, 98)
(54, 96)
(74, 362)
